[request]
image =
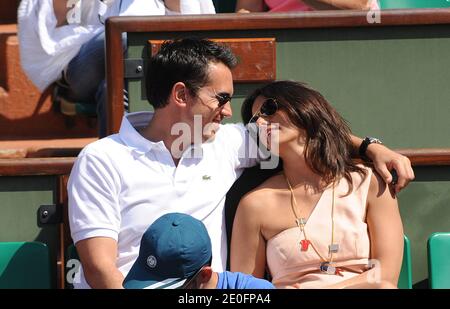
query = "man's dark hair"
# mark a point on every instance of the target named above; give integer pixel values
(183, 60)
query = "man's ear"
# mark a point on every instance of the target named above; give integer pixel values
(205, 275)
(179, 94)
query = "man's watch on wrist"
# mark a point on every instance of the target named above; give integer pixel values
(365, 143)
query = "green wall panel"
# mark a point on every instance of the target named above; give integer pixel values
(20, 198)
(389, 82)
(390, 87)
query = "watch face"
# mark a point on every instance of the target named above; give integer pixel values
(374, 140)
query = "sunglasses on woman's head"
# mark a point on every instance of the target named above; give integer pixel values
(268, 108)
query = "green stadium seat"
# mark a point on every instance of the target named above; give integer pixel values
(24, 265)
(438, 260)
(413, 4)
(405, 278)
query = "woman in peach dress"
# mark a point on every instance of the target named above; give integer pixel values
(323, 221)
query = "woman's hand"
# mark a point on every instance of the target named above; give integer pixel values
(386, 160)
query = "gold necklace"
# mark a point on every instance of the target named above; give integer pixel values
(326, 264)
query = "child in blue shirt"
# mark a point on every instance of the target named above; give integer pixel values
(175, 252)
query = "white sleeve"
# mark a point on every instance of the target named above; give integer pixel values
(207, 7)
(196, 7)
(93, 189)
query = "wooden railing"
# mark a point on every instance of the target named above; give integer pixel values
(427, 156)
(63, 166)
(36, 166)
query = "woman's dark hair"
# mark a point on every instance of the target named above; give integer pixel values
(328, 145)
(183, 60)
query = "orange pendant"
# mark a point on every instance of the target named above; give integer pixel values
(304, 243)
(339, 272)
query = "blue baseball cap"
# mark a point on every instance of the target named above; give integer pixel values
(173, 249)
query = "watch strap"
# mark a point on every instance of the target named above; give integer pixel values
(365, 143)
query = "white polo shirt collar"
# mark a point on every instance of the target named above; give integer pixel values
(130, 136)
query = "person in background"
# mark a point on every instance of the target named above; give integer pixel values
(175, 252)
(63, 41)
(247, 6)
(310, 223)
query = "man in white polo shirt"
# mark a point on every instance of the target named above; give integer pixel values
(177, 159)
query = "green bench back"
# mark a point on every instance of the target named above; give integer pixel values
(439, 261)
(24, 265)
(405, 278)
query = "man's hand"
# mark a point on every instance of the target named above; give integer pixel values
(386, 160)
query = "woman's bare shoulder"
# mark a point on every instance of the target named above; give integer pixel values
(265, 193)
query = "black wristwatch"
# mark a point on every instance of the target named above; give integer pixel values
(365, 143)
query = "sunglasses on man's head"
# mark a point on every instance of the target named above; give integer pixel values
(268, 108)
